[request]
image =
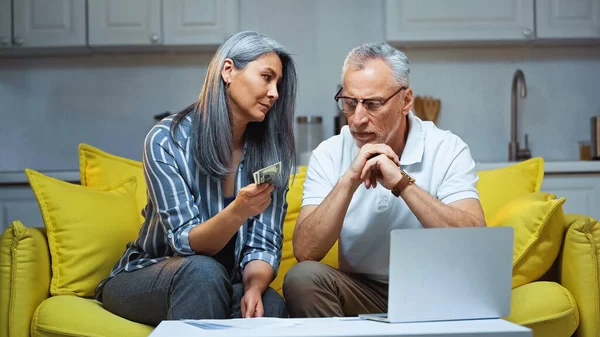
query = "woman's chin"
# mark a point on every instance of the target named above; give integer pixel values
(258, 117)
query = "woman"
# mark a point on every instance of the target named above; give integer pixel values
(211, 241)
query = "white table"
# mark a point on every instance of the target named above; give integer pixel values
(332, 327)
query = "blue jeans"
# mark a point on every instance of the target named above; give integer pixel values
(191, 287)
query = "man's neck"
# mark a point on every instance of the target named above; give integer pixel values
(399, 143)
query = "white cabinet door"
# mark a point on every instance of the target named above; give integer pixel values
(5, 23)
(199, 22)
(582, 192)
(458, 20)
(49, 23)
(124, 22)
(568, 18)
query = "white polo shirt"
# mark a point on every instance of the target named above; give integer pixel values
(441, 164)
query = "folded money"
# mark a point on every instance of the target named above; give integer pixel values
(267, 174)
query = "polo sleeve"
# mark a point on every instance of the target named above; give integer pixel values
(319, 178)
(460, 178)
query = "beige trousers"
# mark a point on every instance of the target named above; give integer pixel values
(313, 289)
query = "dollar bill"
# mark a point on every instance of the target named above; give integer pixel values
(267, 174)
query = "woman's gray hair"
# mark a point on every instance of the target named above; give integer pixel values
(397, 60)
(267, 142)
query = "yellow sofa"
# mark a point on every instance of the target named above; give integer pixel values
(555, 271)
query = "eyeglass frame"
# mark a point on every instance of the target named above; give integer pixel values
(361, 101)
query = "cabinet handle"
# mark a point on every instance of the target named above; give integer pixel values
(4, 41)
(154, 38)
(18, 41)
(528, 33)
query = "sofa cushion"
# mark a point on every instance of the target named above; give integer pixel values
(74, 316)
(24, 277)
(580, 272)
(98, 169)
(538, 221)
(294, 200)
(547, 308)
(499, 186)
(87, 230)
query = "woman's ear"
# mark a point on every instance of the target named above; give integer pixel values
(228, 71)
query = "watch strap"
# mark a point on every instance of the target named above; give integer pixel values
(401, 185)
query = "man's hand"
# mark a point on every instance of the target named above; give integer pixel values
(383, 170)
(355, 172)
(252, 305)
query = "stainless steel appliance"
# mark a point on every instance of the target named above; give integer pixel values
(595, 137)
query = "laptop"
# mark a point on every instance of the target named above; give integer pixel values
(442, 274)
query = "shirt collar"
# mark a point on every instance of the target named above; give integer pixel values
(415, 142)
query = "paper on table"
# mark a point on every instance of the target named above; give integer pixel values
(241, 323)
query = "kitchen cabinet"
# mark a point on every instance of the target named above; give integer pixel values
(199, 22)
(43, 23)
(156, 22)
(567, 19)
(409, 21)
(124, 22)
(582, 191)
(5, 23)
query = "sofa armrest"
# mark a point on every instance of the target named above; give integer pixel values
(580, 270)
(24, 277)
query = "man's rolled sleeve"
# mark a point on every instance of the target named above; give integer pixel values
(460, 180)
(317, 184)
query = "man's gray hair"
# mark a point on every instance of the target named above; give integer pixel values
(397, 60)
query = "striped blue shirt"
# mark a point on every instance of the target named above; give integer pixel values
(180, 198)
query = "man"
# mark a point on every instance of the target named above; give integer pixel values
(386, 170)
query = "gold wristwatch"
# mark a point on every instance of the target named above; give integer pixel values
(401, 185)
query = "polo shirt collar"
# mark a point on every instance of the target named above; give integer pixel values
(415, 142)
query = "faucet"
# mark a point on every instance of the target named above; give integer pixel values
(514, 152)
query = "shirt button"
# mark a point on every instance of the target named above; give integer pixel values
(170, 236)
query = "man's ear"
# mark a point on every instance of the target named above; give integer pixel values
(228, 71)
(408, 101)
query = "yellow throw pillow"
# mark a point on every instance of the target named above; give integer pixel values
(98, 169)
(87, 230)
(294, 200)
(538, 221)
(499, 186)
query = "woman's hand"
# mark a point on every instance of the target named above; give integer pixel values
(253, 199)
(252, 305)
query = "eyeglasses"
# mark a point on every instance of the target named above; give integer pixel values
(348, 104)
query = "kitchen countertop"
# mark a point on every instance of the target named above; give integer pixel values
(550, 167)
(19, 177)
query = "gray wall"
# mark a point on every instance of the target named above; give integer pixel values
(50, 104)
